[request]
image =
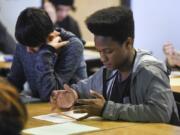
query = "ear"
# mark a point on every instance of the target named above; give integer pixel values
(129, 42)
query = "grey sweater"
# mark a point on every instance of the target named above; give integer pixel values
(151, 97)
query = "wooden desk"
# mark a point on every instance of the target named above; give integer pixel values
(45, 108)
(106, 127)
(90, 45)
(142, 129)
(175, 84)
(5, 65)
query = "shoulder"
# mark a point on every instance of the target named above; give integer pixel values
(71, 19)
(20, 48)
(152, 72)
(74, 45)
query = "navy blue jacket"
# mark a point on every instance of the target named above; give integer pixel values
(47, 70)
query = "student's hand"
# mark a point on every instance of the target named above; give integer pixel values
(93, 107)
(63, 99)
(169, 52)
(55, 40)
(173, 56)
(168, 49)
(176, 58)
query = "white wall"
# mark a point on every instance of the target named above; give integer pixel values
(156, 21)
(10, 9)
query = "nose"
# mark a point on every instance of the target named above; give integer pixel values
(103, 58)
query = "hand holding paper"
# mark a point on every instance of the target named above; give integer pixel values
(63, 99)
(93, 107)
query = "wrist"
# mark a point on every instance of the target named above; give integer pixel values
(103, 108)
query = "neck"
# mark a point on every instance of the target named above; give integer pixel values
(128, 66)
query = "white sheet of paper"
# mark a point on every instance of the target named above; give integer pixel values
(54, 117)
(74, 115)
(60, 129)
(58, 118)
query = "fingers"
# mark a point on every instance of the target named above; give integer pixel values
(53, 35)
(85, 101)
(85, 107)
(96, 95)
(66, 87)
(54, 98)
(168, 48)
(84, 117)
(56, 33)
(61, 44)
(57, 39)
(69, 89)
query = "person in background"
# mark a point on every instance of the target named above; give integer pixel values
(13, 114)
(7, 43)
(58, 11)
(131, 86)
(172, 56)
(46, 58)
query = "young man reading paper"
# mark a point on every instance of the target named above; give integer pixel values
(132, 85)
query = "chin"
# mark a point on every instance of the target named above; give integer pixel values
(109, 67)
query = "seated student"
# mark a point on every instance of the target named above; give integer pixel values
(59, 11)
(172, 56)
(13, 114)
(132, 85)
(40, 58)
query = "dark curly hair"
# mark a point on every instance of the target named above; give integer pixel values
(115, 22)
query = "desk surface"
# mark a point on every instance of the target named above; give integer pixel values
(175, 84)
(5, 65)
(91, 55)
(88, 54)
(107, 127)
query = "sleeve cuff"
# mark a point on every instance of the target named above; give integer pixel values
(108, 112)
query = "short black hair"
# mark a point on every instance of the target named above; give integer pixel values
(33, 27)
(64, 2)
(114, 22)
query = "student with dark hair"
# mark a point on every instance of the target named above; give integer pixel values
(7, 43)
(13, 114)
(60, 9)
(45, 58)
(131, 86)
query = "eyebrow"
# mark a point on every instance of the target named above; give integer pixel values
(104, 49)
